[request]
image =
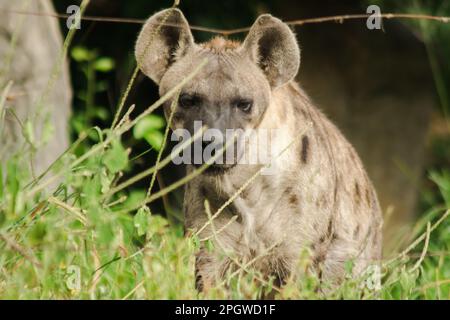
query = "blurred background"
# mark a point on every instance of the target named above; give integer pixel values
(387, 90)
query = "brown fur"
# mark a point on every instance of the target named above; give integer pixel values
(219, 44)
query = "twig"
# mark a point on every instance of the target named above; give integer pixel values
(3, 99)
(234, 218)
(18, 248)
(75, 211)
(173, 107)
(433, 284)
(133, 290)
(425, 248)
(419, 239)
(225, 32)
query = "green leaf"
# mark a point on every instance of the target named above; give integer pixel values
(195, 241)
(80, 54)
(407, 281)
(156, 225)
(105, 181)
(348, 266)
(37, 233)
(134, 198)
(101, 113)
(149, 123)
(141, 220)
(209, 245)
(104, 64)
(28, 131)
(116, 158)
(442, 179)
(155, 139)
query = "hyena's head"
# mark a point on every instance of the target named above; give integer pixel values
(233, 90)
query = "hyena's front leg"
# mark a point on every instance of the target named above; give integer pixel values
(224, 232)
(209, 270)
(212, 263)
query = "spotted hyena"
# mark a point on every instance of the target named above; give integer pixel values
(318, 194)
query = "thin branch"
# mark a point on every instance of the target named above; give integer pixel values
(129, 294)
(22, 251)
(425, 248)
(163, 145)
(419, 239)
(75, 211)
(225, 32)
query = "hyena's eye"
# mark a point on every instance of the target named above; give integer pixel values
(188, 100)
(244, 105)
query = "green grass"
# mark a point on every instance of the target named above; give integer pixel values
(72, 245)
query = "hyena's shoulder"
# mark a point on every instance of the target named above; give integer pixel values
(329, 161)
(334, 184)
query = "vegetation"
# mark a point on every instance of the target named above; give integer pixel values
(80, 231)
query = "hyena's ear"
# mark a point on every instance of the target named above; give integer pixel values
(272, 45)
(165, 37)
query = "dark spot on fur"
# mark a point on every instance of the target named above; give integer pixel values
(305, 148)
(203, 191)
(303, 112)
(198, 277)
(336, 184)
(357, 193)
(368, 197)
(319, 274)
(356, 232)
(245, 193)
(318, 259)
(293, 199)
(330, 227)
(198, 282)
